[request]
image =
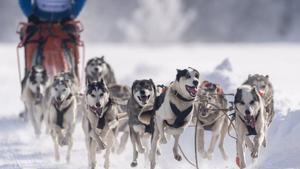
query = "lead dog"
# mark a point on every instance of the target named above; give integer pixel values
(174, 111)
(250, 120)
(34, 88)
(210, 111)
(62, 114)
(100, 120)
(142, 99)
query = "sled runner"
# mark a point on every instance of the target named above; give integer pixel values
(55, 46)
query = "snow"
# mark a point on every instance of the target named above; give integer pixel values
(227, 64)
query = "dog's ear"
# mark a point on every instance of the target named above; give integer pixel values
(153, 85)
(267, 76)
(133, 84)
(255, 94)
(180, 73)
(238, 96)
(102, 58)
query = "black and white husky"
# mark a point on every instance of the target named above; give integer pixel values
(250, 120)
(143, 93)
(100, 120)
(210, 112)
(61, 116)
(174, 111)
(34, 88)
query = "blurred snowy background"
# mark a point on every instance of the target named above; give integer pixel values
(169, 21)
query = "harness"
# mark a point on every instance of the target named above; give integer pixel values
(101, 120)
(60, 113)
(180, 116)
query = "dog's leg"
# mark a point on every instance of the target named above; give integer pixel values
(212, 145)
(123, 142)
(135, 152)
(98, 140)
(177, 156)
(107, 154)
(92, 152)
(200, 141)
(240, 151)
(32, 117)
(55, 141)
(223, 133)
(258, 140)
(154, 144)
(161, 130)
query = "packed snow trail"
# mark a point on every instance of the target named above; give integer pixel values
(19, 148)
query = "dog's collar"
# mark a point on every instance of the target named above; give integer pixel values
(180, 116)
(179, 96)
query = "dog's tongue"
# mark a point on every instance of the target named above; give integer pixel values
(261, 92)
(193, 90)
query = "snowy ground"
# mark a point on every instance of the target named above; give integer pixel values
(20, 150)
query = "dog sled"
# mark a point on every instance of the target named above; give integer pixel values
(55, 46)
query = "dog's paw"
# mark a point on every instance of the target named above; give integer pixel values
(178, 157)
(208, 156)
(163, 140)
(158, 152)
(142, 149)
(133, 164)
(264, 143)
(254, 153)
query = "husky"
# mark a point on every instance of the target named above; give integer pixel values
(249, 120)
(265, 89)
(34, 88)
(210, 111)
(100, 120)
(143, 94)
(96, 69)
(173, 111)
(62, 106)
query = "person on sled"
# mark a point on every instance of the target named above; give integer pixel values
(47, 19)
(51, 37)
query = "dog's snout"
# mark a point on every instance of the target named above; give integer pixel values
(98, 104)
(96, 69)
(142, 92)
(38, 89)
(247, 112)
(59, 99)
(195, 83)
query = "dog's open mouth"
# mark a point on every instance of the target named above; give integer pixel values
(144, 98)
(250, 120)
(192, 90)
(96, 110)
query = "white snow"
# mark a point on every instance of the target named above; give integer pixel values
(226, 64)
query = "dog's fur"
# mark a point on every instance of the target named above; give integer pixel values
(142, 99)
(96, 69)
(265, 89)
(34, 88)
(99, 121)
(210, 98)
(179, 96)
(61, 116)
(249, 116)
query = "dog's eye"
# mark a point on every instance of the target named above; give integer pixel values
(263, 87)
(242, 103)
(252, 102)
(197, 76)
(188, 76)
(101, 94)
(64, 90)
(93, 95)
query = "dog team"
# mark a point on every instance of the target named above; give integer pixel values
(147, 113)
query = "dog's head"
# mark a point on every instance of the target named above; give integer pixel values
(260, 82)
(209, 95)
(143, 91)
(97, 97)
(96, 67)
(61, 89)
(187, 82)
(37, 82)
(248, 103)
